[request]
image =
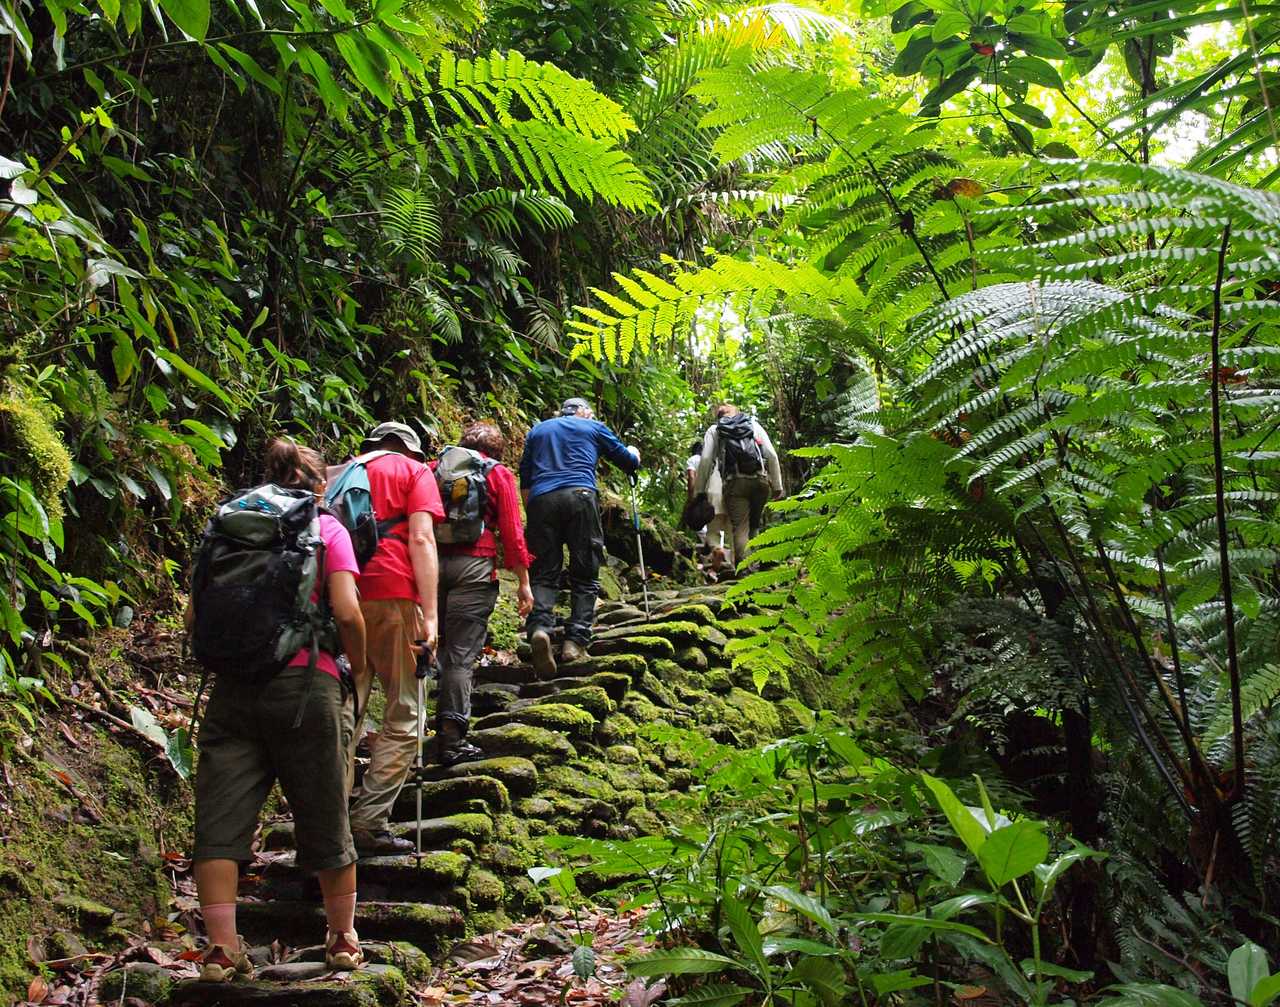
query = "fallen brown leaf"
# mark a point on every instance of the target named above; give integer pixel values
(38, 990)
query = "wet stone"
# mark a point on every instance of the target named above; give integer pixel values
(518, 775)
(535, 743)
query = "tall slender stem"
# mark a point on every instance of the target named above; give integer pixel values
(1224, 560)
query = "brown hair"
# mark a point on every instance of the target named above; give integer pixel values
(294, 466)
(486, 437)
(726, 409)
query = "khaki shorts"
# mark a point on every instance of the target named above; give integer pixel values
(247, 742)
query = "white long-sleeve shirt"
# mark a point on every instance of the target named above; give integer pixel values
(709, 464)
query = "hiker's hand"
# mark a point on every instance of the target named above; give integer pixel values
(524, 600)
(430, 634)
(777, 494)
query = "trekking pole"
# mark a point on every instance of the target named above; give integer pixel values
(635, 519)
(425, 663)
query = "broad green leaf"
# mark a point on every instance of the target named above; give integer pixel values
(803, 904)
(195, 376)
(904, 919)
(962, 821)
(1013, 851)
(1031, 114)
(680, 962)
(949, 23)
(540, 874)
(146, 723)
(192, 16)
(1034, 71)
(789, 945)
(1265, 991)
(1038, 45)
(1047, 875)
(1031, 967)
(711, 995)
(746, 934)
(584, 962)
(1246, 967)
(181, 755)
(943, 861)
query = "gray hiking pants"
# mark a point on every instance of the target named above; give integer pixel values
(466, 596)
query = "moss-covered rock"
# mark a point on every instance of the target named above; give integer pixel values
(465, 791)
(643, 821)
(657, 690)
(591, 699)
(677, 632)
(640, 709)
(572, 780)
(623, 755)
(446, 831)
(506, 858)
(753, 717)
(692, 658)
(491, 697)
(569, 719)
(617, 728)
(615, 614)
(529, 808)
(718, 680)
(637, 641)
(523, 897)
(636, 778)
(486, 889)
(690, 612)
(145, 981)
(631, 665)
(536, 743)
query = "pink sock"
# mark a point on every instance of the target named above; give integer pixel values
(340, 912)
(220, 923)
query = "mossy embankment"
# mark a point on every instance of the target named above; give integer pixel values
(94, 819)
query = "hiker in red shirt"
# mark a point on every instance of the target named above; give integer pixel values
(482, 506)
(398, 600)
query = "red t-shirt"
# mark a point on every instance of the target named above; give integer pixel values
(502, 511)
(339, 557)
(400, 486)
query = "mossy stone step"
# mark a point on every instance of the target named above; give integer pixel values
(301, 984)
(475, 792)
(436, 832)
(639, 644)
(572, 720)
(615, 685)
(411, 961)
(428, 927)
(490, 697)
(538, 744)
(518, 775)
(591, 699)
(615, 614)
(435, 878)
(680, 631)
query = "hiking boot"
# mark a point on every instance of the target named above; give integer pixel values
(221, 963)
(572, 651)
(544, 661)
(452, 746)
(380, 843)
(342, 951)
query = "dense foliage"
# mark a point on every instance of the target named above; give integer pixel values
(1001, 277)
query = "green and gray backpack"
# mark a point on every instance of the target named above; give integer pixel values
(257, 589)
(463, 478)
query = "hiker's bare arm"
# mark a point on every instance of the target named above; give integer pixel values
(345, 602)
(426, 568)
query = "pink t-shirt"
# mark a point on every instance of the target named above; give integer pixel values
(339, 556)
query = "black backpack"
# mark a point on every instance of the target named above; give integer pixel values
(740, 452)
(256, 570)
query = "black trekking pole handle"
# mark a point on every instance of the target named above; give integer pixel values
(427, 663)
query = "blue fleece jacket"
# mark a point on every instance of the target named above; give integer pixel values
(562, 453)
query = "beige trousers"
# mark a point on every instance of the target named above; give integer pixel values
(391, 626)
(744, 501)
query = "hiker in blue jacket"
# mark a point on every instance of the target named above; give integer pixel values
(558, 484)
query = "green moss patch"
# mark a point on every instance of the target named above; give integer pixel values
(591, 699)
(570, 780)
(567, 718)
(617, 728)
(543, 747)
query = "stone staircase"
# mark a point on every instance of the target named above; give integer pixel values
(565, 756)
